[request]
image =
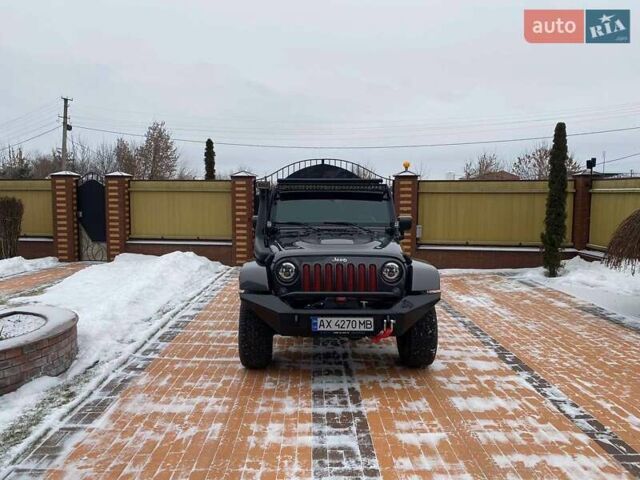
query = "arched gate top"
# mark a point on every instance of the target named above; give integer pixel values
(353, 168)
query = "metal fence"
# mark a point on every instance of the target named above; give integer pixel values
(36, 198)
(178, 210)
(509, 213)
(612, 200)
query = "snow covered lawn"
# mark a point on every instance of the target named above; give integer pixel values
(16, 265)
(119, 304)
(617, 291)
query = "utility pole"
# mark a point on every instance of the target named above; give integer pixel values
(604, 160)
(65, 127)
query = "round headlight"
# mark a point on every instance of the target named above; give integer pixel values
(286, 272)
(391, 272)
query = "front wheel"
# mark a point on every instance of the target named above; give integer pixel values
(255, 340)
(418, 346)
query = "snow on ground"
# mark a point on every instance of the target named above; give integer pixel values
(617, 291)
(613, 290)
(119, 305)
(16, 265)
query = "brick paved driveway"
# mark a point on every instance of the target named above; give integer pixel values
(27, 282)
(528, 383)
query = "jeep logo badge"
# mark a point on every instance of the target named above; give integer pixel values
(339, 260)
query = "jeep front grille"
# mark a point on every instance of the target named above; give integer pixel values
(339, 278)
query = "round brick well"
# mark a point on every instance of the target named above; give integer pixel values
(35, 341)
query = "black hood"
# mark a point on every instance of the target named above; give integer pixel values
(340, 247)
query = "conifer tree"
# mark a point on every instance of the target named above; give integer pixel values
(209, 161)
(555, 218)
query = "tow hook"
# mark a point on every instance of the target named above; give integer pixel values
(386, 331)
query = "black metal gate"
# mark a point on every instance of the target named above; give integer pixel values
(319, 168)
(92, 218)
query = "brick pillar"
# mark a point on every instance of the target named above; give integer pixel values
(405, 197)
(117, 212)
(64, 188)
(242, 198)
(581, 211)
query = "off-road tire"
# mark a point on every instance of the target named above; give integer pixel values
(418, 346)
(255, 340)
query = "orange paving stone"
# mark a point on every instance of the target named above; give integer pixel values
(335, 408)
(30, 281)
(196, 413)
(593, 361)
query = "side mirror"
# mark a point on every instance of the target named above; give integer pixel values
(254, 220)
(404, 223)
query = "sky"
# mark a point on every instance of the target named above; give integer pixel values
(318, 74)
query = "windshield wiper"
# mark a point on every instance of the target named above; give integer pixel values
(298, 224)
(350, 224)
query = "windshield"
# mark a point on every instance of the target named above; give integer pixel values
(372, 212)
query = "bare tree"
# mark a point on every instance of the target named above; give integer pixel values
(81, 158)
(157, 157)
(185, 173)
(44, 164)
(365, 170)
(125, 158)
(485, 163)
(421, 170)
(14, 164)
(105, 159)
(534, 164)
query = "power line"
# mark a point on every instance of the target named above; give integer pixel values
(346, 134)
(371, 147)
(623, 158)
(16, 129)
(81, 145)
(18, 144)
(43, 107)
(28, 131)
(539, 116)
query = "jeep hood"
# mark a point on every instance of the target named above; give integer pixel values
(340, 247)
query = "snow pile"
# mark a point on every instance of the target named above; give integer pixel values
(617, 291)
(119, 302)
(16, 265)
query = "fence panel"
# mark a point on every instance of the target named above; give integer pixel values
(500, 213)
(612, 201)
(36, 198)
(181, 210)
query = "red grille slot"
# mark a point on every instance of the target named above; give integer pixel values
(373, 278)
(351, 278)
(328, 277)
(339, 277)
(317, 277)
(362, 278)
(306, 278)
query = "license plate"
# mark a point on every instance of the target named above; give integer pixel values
(342, 324)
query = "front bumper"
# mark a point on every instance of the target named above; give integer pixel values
(289, 321)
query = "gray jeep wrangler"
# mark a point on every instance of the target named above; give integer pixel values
(328, 262)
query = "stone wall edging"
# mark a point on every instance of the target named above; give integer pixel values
(50, 350)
